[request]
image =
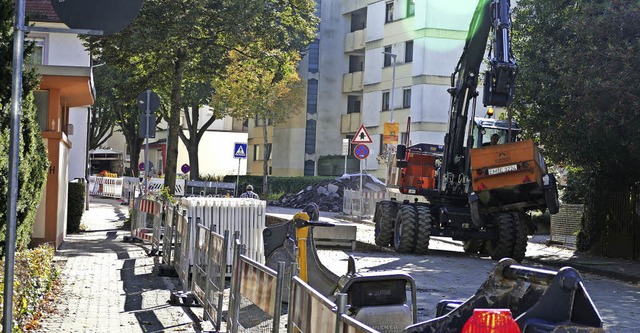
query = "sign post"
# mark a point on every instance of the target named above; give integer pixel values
(239, 152)
(345, 152)
(361, 151)
(147, 101)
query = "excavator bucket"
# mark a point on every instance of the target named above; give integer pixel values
(540, 301)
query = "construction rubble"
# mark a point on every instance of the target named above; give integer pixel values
(329, 194)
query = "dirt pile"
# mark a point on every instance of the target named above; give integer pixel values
(329, 194)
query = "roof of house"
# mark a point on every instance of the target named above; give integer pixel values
(41, 11)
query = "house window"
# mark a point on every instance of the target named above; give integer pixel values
(41, 99)
(353, 104)
(385, 101)
(411, 8)
(356, 64)
(406, 98)
(37, 57)
(389, 13)
(387, 56)
(408, 51)
(256, 153)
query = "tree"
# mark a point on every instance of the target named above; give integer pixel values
(32, 153)
(267, 89)
(577, 90)
(102, 120)
(170, 42)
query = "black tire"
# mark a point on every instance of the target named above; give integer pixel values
(424, 230)
(405, 229)
(503, 246)
(472, 246)
(384, 217)
(551, 199)
(520, 246)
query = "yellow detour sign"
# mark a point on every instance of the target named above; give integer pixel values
(390, 135)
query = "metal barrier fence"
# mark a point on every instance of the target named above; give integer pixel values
(260, 286)
(209, 268)
(365, 205)
(143, 219)
(243, 215)
(566, 223)
(201, 259)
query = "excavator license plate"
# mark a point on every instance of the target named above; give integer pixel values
(506, 168)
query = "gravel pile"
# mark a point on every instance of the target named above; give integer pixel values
(329, 194)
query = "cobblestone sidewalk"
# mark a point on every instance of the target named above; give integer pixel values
(111, 286)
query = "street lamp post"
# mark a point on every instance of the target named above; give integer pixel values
(393, 81)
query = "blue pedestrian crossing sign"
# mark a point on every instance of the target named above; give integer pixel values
(240, 150)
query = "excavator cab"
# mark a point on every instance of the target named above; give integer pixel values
(485, 129)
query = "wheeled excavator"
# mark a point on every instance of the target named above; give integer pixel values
(469, 188)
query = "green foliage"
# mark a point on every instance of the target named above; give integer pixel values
(280, 185)
(32, 153)
(577, 85)
(34, 276)
(579, 181)
(75, 207)
(165, 195)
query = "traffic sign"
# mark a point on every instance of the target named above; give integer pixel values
(240, 150)
(141, 166)
(154, 101)
(361, 151)
(185, 168)
(362, 136)
(390, 134)
(110, 16)
(345, 147)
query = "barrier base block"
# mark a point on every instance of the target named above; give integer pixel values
(131, 239)
(168, 271)
(182, 298)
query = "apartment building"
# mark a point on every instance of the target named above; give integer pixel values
(349, 70)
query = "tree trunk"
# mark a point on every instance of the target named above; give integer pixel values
(174, 121)
(265, 162)
(192, 148)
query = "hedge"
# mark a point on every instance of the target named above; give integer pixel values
(75, 204)
(34, 277)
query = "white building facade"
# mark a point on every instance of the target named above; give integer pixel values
(349, 76)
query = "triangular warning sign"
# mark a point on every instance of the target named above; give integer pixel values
(240, 152)
(362, 136)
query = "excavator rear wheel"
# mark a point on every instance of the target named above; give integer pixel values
(424, 225)
(384, 216)
(520, 246)
(503, 246)
(405, 229)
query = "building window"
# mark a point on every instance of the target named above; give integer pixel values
(314, 56)
(406, 98)
(385, 101)
(312, 96)
(408, 51)
(356, 64)
(353, 104)
(256, 153)
(387, 56)
(309, 167)
(389, 13)
(37, 57)
(411, 8)
(310, 137)
(41, 99)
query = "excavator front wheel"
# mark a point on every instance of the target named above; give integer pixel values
(405, 229)
(384, 217)
(472, 246)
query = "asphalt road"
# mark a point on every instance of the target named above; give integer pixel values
(449, 273)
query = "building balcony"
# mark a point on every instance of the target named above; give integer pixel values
(352, 82)
(355, 40)
(350, 123)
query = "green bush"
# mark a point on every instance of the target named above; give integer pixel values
(34, 277)
(286, 185)
(75, 202)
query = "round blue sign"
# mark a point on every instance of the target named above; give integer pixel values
(361, 151)
(141, 166)
(185, 168)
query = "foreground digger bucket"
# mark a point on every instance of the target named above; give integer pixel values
(540, 300)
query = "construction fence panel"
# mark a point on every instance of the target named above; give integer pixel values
(171, 214)
(184, 260)
(154, 186)
(255, 301)
(309, 311)
(566, 224)
(158, 226)
(243, 215)
(358, 203)
(142, 222)
(209, 268)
